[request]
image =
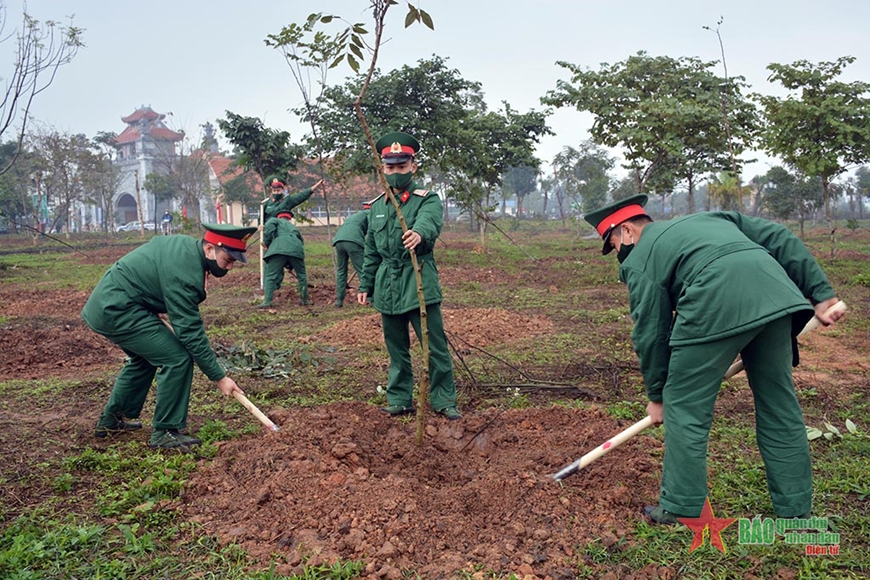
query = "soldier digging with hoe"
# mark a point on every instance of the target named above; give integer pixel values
(703, 289)
(168, 275)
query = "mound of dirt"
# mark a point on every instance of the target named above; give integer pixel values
(469, 326)
(346, 481)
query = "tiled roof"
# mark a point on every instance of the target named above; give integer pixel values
(142, 113)
(225, 170)
(153, 127)
(131, 134)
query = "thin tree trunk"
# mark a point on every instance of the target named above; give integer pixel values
(829, 218)
(423, 396)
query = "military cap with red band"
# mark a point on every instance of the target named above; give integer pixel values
(397, 147)
(276, 183)
(610, 216)
(233, 239)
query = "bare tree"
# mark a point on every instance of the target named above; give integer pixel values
(41, 48)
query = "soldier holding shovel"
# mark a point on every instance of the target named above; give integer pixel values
(168, 275)
(703, 289)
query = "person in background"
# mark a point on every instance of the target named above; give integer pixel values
(703, 289)
(349, 243)
(168, 277)
(279, 202)
(284, 249)
(167, 223)
(389, 279)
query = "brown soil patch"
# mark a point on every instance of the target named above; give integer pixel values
(469, 326)
(345, 481)
(45, 336)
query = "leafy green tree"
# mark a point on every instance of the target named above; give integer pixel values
(664, 113)
(821, 128)
(521, 181)
(623, 188)
(488, 146)
(160, 187)
(791, 195)
(262, 150)
(472, 148)
(726, 192)
(430, 101)
(862, 183)
(584, 171)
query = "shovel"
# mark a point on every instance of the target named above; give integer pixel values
(247, 404)
(255, 411)
(646, 422)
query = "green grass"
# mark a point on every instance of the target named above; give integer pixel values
(108, 514)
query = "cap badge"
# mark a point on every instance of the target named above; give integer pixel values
(396, 147)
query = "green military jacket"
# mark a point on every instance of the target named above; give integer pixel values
(708, 276)
(272, 208)
(353, 229)
(166, 275)
(282, 237)
(388, 276)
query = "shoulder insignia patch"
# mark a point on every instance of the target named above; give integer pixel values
(421, 192)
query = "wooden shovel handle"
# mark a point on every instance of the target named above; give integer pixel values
(255, 411)
(811, 325)
(646, 422)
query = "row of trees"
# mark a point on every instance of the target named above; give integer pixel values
(676, 122)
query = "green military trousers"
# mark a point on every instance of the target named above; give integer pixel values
(273, 275)
(400, 378)
(343, 252)
(694, 376)
(152, 349)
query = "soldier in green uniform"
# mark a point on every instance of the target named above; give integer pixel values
(703, 289)
(388, 278)
(284, 249)
(349, 243)
(166, 276)
(280, 202)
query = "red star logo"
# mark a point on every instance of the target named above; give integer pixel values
(707, 522)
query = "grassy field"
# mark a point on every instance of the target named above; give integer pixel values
(73, 509)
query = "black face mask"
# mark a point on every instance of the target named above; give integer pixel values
(213, 268)
(624, 251)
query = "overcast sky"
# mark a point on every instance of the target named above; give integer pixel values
(199, 58)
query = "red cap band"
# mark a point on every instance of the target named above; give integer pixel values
(619, 216)
(285, 213)
(405, 150)
(231, 243)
